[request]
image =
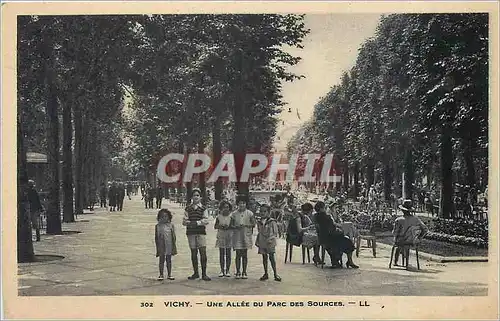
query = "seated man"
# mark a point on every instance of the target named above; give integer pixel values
(332, 238)
(408, 230)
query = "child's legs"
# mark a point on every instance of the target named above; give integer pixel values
(244, 260)
(273, 263)
(194, 259)
(228, 259)
(264, 262)
(203, 259)
(161, 264)
(222, 256)
(238, 261)
(396, 255)
(169, 264)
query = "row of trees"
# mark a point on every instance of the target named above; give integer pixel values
(194, 80)
(416, 102)
(210, 82)
(70, 96)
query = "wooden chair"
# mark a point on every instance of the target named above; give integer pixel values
(405, 251)
(289, 251)
(371, 242)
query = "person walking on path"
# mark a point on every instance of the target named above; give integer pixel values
(129, 190)
(35, 207)
(150, 196)
(165, 241)
(120, 196)
(159, 195)
(144, 192)
(266, 241)
(242, 223)
(224, 237)
(113, 197)
(408, 230)
(195, 220)
(103, 194)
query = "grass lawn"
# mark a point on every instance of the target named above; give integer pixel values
(442, 248)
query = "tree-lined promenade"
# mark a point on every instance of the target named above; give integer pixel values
(193, 80)
(109, 96)
(415, 105)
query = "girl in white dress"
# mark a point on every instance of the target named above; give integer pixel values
(224, 237)
(242, 224)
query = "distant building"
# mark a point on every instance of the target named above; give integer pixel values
(37, 169)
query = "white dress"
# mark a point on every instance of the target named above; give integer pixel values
(224, 236)
(242, 236)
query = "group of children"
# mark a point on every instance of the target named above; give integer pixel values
(234, 232)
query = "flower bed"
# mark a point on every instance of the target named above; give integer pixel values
(458, 239)
(461, 227)
(457, 231)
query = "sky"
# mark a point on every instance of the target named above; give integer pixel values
(330, 49)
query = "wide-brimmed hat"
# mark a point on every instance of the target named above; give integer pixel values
(406, 206)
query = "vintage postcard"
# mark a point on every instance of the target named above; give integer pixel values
(250, 160)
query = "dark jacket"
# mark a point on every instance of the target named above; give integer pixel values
(34, 200)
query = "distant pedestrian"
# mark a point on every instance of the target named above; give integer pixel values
(224, 237)
(121, 196)
(159, 195)
(103, 194)
(35, 208)
(165, 241)
(150, 196)
(113, 197)
(92, 197)
(266, 241)
(129, 188)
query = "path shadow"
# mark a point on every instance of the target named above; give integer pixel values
(43, 258)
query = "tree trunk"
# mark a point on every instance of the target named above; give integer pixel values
(202, 183)
(180, 150)
(217, 153)
(356, 179)
(346, 176)
(87, 159)
(67, 165)
(189, 185)
(398, 191)
(370, 173)
(409, 174)
(239, 147)
(25, 252)
(468, 151)
(53, 197)
(446, 201)
(429, 175)
(387, 181)
(78, 118)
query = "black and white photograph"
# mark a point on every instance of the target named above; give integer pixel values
(339, 154)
